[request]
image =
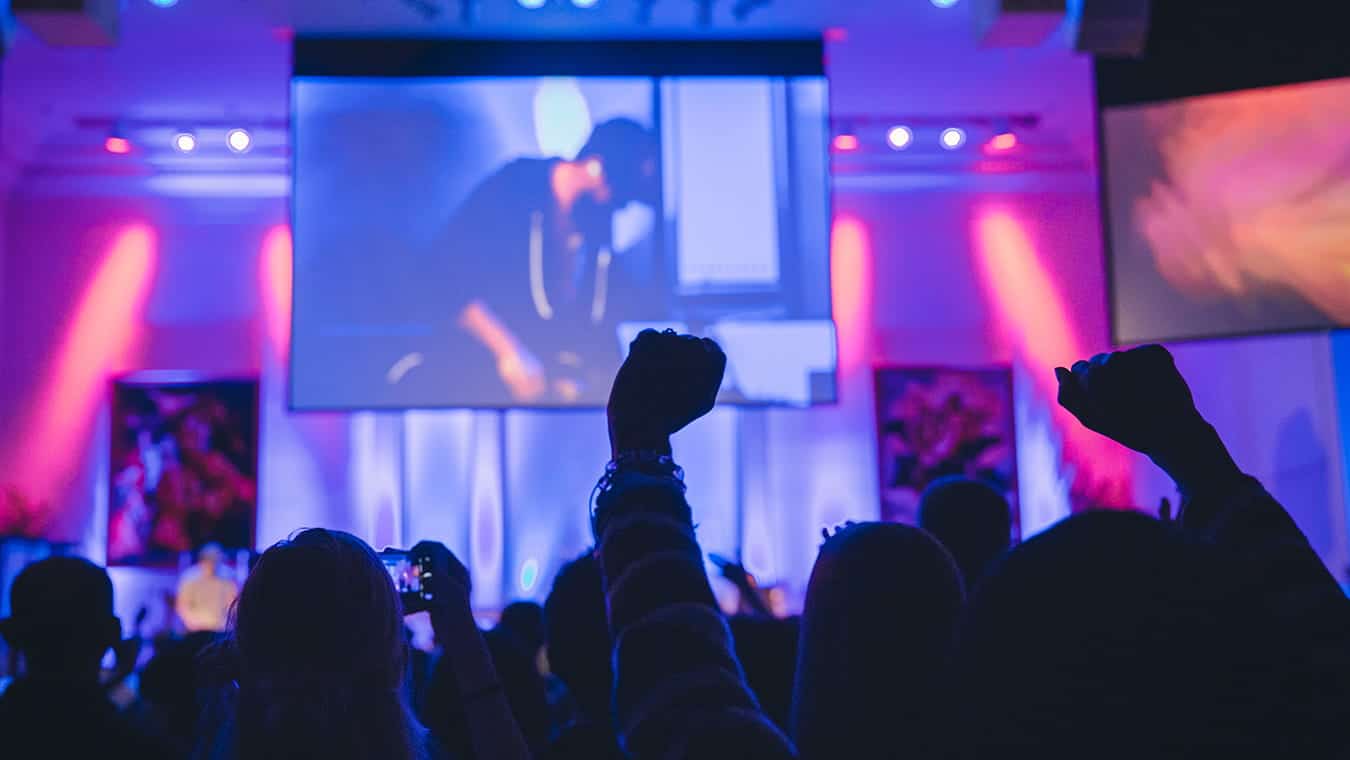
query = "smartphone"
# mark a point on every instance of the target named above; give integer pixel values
(403, 570)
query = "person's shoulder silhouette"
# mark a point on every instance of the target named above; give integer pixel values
(62, 622)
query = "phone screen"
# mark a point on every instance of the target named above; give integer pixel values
(406, 574)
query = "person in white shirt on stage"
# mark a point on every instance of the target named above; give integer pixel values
(205, 596)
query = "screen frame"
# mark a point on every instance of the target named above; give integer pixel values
(1116, 90)
(336, 57)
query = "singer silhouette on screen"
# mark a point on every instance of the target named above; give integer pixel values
(538, 290)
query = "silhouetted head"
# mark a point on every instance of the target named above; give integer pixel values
(1112, 635)
(318, 630)
(61, 618)
(630, 156)
(525, 622)
(971, 519)
(577, 629)
(878, 622)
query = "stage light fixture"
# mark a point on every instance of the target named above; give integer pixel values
(164, 3)
(945, 3)
(953, 138)
(899, 137)
(532, 5)
(239, 140)
(184, 142)
(116, 144)
(846, 142)
(585, 3)
(1003, 141)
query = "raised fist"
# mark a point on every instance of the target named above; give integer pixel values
(667, 382)
(1135, 397)
(1139, 399)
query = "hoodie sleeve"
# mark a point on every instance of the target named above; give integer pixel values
(679, 688)
(1287, 583)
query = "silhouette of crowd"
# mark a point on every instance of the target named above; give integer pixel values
(1212, 632)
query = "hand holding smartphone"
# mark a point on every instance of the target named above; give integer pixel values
(426, 575)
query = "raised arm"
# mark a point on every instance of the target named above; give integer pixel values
(493, 732)
(679, 689)
(1139, 399)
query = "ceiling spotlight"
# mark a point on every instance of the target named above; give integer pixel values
(846, 143)
(532, 5)
(953, 138)
(118, 145)
(899, 137)
(945, 3)
(1003, 141)
(184, 142)
(164, 3)
(585, 3)
(239, 140)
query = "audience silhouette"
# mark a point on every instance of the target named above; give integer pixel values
(62, 625)
(319, 634)
(173, 690)
(971, 519)
(517, 662)
(1112, 624)
(579, 649)
(1214, 632)
(881, 609)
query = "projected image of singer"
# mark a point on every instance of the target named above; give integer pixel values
(538, 287)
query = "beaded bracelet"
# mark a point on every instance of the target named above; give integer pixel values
(645, 462)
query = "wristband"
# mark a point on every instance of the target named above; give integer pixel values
(653, 464)
(647, 462)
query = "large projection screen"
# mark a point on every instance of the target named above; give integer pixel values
(488, 225)
(1229, 214)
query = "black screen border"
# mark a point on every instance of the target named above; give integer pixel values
(316, 56)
